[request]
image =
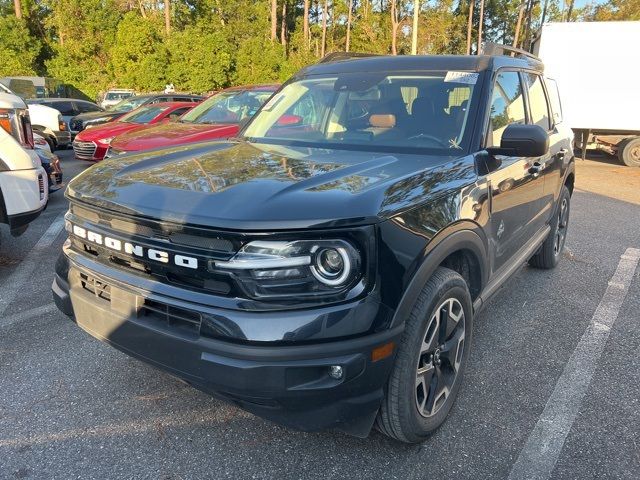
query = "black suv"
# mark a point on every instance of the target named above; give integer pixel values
(323, 269)
(80, 122)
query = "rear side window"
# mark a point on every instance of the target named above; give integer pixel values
(554, 100)
(537, 101)
(507, 106)
(65, 108)
(87, 107)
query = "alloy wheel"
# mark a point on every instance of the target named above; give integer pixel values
(561, 230)
(440, 356)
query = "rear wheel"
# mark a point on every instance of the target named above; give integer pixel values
(550, 252)
(430, 361)
(629, 151)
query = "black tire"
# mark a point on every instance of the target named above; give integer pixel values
(629, 151)
(408, 412)
(550, 252)
(51, 143)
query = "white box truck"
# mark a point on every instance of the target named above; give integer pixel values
(596, 67)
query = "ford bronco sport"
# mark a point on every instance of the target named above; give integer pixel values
(323, 269)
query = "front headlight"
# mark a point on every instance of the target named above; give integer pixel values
(300, 267)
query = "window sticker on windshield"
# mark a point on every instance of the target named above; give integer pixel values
(462, 77)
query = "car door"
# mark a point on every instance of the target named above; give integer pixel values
(514, 187)
(549, 165)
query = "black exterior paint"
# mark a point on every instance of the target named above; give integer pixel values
(406, 212)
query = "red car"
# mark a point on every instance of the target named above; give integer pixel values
(93, 143)
(218, 117)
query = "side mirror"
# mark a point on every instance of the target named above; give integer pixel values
(522, 141)
(289, 120)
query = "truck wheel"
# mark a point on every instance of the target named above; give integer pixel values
(629, 151)
(550, 252)
(430, 360)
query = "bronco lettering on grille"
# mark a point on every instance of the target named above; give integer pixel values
(135, 250)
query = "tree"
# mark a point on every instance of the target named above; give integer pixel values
(17, 5)
(139, 57)
(167, 16)
(274, 19)
(470, 26)
(324, 28)
(18, 49)
(348, 39)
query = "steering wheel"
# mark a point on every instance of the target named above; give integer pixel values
(433, 138)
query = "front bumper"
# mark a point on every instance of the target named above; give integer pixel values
(62, 138)
(24, 194)
(288, 383)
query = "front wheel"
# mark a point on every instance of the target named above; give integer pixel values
(431, 358)
(629, 152)
(550, 252)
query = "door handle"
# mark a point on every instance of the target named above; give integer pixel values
(560, 155)
(535, 169)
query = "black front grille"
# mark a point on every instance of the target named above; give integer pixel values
(76, 125)
(173, 240)
(188, 321)
(160, 314)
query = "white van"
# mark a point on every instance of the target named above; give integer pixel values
(47, 121)
(23, 181)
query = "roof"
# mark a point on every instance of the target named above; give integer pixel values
(268, 87)
(56, 99)
(172, 104)
(470, 63)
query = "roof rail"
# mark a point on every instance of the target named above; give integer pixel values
(491, 48)
(341, 56)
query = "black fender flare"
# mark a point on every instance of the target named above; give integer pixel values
(460, 236)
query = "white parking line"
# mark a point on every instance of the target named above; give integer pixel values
(27, 314)
(14, 283)
(540, 454)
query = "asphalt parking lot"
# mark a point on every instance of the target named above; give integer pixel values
(552, 389)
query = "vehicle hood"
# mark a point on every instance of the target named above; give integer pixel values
(85, 117)
(107, 130)
(172, 133)
(256, 187)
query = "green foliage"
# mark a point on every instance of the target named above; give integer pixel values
(98, 44)
(200, 60)
(258, 60)
(18, 48)
(139, 56)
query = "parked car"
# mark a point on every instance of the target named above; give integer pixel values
(22, 192)
(39, 142)
(80, 122)
(324, 268)
(217, 117)
(50, 163)
(68, 108)
(47, 121)
(114, 96)
(92, 143)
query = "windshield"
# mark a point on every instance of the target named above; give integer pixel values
(143, 114)
(129, 104)
(228, 107)
(117, 95)
(381, 111)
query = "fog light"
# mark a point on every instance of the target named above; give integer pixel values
(335, 371)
